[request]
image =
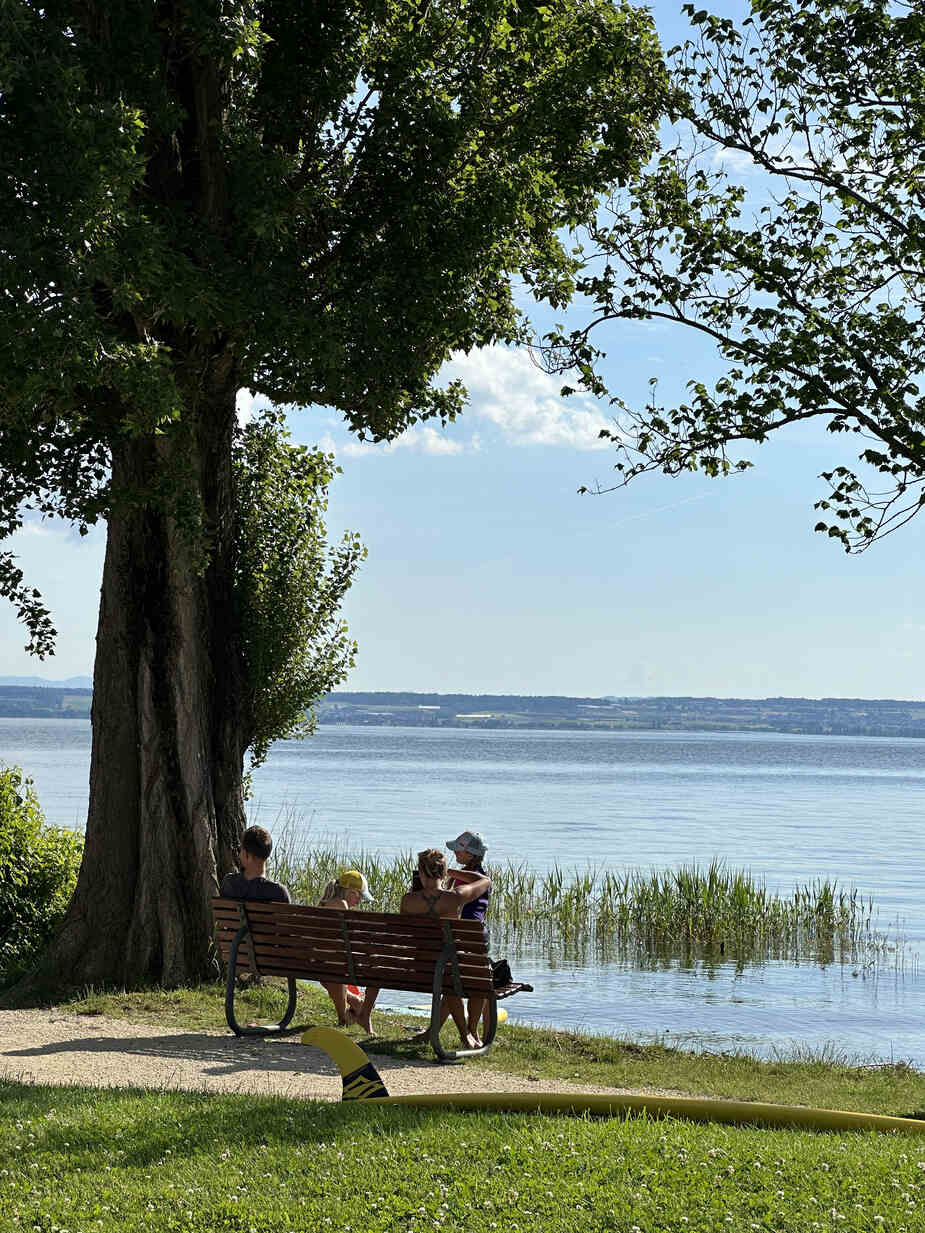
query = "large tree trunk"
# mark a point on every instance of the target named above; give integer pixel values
(166, 805)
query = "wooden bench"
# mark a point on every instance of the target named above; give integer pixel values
(416, 954)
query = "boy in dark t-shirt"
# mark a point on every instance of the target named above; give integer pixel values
(256, 846)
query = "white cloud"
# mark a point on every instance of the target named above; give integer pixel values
(507, 393)
(424, 439)
(428, 440)
(420, 440)
(507, 389)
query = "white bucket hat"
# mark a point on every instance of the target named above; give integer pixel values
(469, 841)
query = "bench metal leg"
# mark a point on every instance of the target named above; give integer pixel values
(443, 1055)
(265, 1029)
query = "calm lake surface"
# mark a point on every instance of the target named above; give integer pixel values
(791, 809)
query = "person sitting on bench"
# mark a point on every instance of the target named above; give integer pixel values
(250, 883)
(346, 892)
(433, 900)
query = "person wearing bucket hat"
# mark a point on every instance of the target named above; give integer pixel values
(345, 893)
(469, 849)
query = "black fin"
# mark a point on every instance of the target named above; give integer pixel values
(364, 1083)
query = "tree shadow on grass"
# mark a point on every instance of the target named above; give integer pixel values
(131, 1128)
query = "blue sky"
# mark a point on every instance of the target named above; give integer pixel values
(487, 572)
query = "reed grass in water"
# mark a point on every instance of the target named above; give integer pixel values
(642, 917)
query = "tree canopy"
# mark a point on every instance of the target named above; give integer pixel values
(320, 200)
(787, 227)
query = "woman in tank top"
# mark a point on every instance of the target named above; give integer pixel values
(433, 899)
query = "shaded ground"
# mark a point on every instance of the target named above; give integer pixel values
(55, 1047)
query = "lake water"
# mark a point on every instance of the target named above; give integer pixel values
(791, 809)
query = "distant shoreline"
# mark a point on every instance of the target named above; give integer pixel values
(794, 716)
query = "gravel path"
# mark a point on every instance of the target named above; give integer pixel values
(54, 1047)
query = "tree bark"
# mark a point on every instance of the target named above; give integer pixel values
(167, 711)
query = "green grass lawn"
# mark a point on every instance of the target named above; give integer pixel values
(80, 1160)
(828, 1083)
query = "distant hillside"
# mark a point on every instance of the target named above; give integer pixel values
(39, 682)
(811, 716)
(44, 701)
(807, 716)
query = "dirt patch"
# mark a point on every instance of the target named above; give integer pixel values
(55, 1047)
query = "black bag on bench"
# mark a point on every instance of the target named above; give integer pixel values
(501, 973)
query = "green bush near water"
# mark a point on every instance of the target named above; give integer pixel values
(38, 871)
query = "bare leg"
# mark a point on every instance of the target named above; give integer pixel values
(362, 1012)
(474, 1012)
(338, 995)
(458, 1011)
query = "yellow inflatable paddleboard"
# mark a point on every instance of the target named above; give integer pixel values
(361, 1081)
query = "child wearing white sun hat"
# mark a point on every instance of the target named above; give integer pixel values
(469, 849)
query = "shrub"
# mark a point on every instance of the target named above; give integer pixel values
(38, 871)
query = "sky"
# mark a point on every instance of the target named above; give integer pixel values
(488, 572)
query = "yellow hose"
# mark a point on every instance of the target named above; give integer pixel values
(362, 1082)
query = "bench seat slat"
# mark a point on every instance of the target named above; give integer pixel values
(366, 963)
(368, 969)
(383, 978)
(335, 966)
